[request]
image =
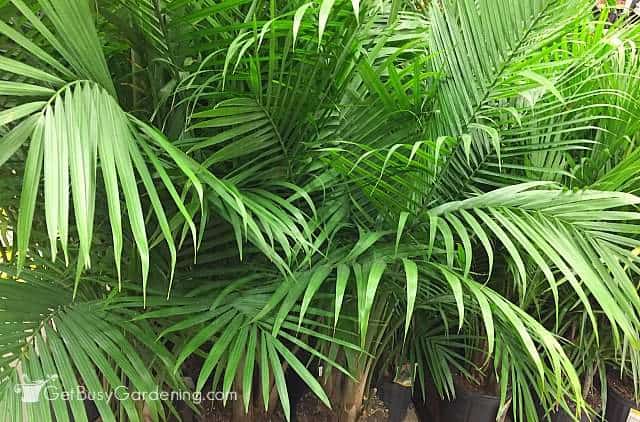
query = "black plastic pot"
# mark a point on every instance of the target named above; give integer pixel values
(397, 399)
(619, 409)
(470, 407)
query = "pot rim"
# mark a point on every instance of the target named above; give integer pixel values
(460, 392)
(626, 401)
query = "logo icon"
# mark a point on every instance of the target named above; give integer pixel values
(31, 390)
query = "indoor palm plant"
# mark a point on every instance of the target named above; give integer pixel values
(244, 183)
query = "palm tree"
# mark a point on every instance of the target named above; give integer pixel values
(258, 186)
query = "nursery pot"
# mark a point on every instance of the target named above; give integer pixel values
(621, 409)
(471, 407)
(397, 398)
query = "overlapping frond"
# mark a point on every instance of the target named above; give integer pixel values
(74, 349)
(585, 237)
(510, 108)
(509, 334)
(242, 337)
(79, 129)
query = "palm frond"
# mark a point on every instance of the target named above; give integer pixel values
(72, 347)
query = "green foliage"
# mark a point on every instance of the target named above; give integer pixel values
(263, 186)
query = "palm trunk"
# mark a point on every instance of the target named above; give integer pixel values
(238, 413)
(333, 387)
(353, 399)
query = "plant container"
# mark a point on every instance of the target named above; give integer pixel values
(397, 398)
(621, 409)
(470, 407)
